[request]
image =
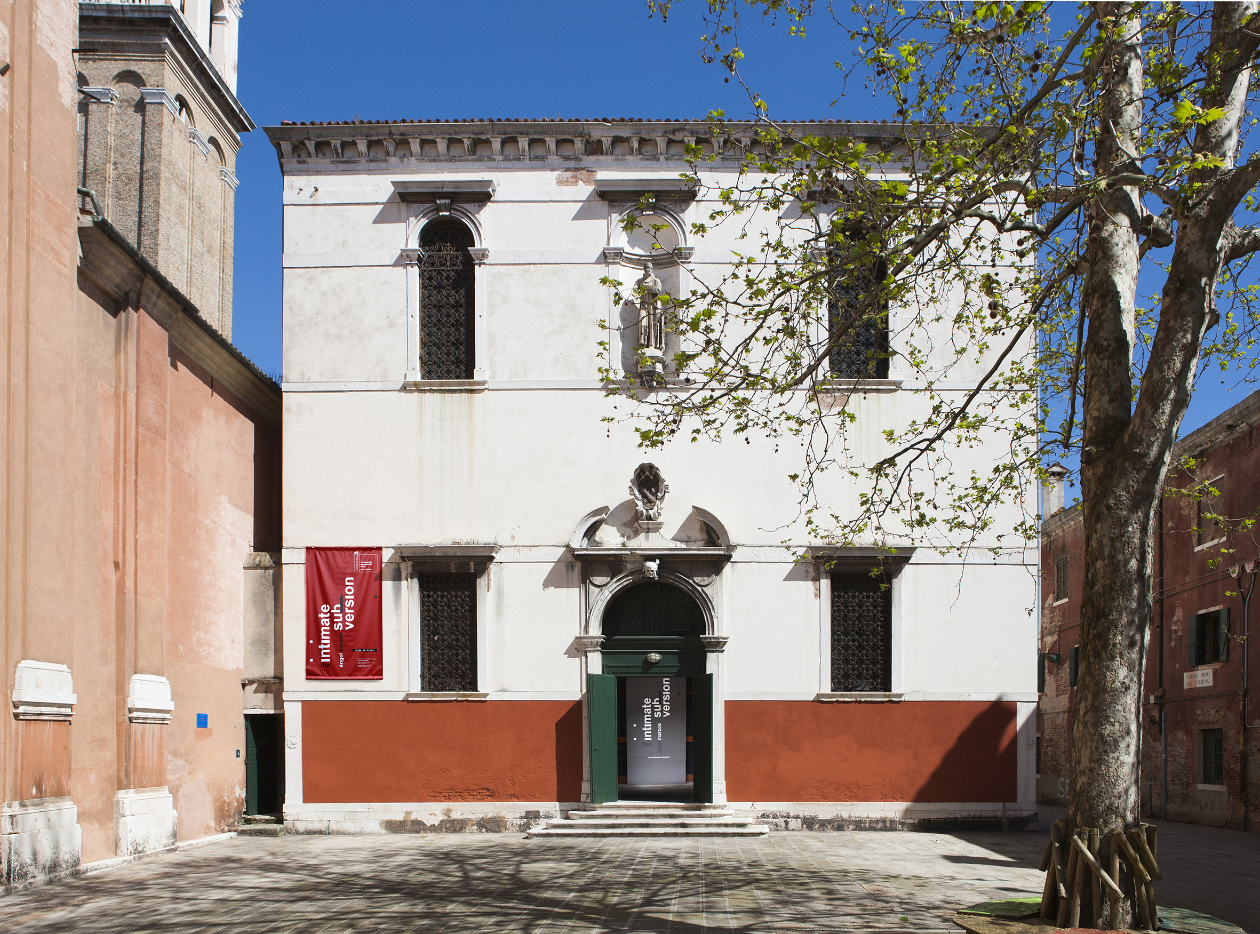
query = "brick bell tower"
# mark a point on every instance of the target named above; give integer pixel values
(159, 130)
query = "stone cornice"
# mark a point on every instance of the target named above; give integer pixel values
(564, 141)
(123, 272)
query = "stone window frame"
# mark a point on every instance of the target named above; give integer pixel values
(425, 202)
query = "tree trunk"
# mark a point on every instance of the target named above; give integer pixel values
(1127, 446)
(1117, 505)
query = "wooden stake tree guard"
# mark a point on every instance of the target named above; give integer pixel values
(1079, 892)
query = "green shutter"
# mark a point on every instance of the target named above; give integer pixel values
(1222, 635)
(702, 702)
(251, 768)
(1074, 665)
(1192, 641)
(601, 700)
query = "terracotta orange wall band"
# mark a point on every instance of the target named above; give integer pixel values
(910, 751)
(453, 751)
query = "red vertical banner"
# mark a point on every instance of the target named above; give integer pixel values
(343, 613)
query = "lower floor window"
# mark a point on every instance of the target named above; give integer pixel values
(861, 633)
(448, 632)
(1214, 757)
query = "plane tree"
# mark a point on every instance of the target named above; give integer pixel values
(1070, 195)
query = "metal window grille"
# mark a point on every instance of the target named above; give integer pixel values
(448, 632)
(1213, 757)
(861, 633)
(861, 333)
(446, 302)
(1061, 577)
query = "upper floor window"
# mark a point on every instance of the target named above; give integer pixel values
(861, 633)
(448, 632)
(1207, 637)
(1060, 578)
(858, 325)
(1211, 521)
(446, 301)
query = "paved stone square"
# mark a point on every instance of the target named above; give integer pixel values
(501, 882)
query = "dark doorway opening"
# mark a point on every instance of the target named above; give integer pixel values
(651, 633)
(264, 763)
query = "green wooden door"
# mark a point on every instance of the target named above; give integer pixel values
(702, 737)
(251, 768)
(601, 701)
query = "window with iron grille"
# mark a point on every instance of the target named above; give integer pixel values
(1061, 578)
(1213, 757)
(861, 633)
(446, 301)
(858, 325)
(448, 632)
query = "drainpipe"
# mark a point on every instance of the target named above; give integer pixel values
(91, 196)
(1250, 569)
(1163, 722)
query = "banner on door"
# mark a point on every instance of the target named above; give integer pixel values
(343, 613)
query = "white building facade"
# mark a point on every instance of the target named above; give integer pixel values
(542, 577)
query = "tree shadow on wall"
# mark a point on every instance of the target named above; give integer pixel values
(981, 767)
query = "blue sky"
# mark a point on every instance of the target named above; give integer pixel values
(439, 60)
(379, 59)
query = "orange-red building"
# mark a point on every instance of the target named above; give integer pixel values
(1199, 750)
(141, 478)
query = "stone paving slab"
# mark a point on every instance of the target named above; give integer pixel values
(784, 882)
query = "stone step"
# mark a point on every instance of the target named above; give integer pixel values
(657, 822)
(662, 813)
(258, 830)
(559, 829)
(654, 805)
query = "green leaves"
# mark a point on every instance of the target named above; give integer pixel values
(1188, 112)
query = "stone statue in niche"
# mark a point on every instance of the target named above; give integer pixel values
(648, 488)
(651, 323)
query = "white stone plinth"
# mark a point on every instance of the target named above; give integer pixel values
(144, 820)
(39, 839)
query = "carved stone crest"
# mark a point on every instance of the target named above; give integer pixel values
(648, 488)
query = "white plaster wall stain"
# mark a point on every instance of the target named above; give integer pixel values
(176, 768)
(56, 29)
(216, 629)
(195, 807)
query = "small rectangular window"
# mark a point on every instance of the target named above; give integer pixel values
(1210, 518)
(1074, 665)
(1213, 756)
(1061, 578)
(861, 633)
(448, 632)
(1208, 637)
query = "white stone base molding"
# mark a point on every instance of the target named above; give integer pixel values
(423, 817)
(944, 816)
(39, 839)
(520, 817)
(144, 821)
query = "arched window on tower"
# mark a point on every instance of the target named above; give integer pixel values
(446, 301)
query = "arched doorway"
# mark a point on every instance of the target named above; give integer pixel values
(651, 708)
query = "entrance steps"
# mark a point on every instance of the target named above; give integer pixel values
(650, 819)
